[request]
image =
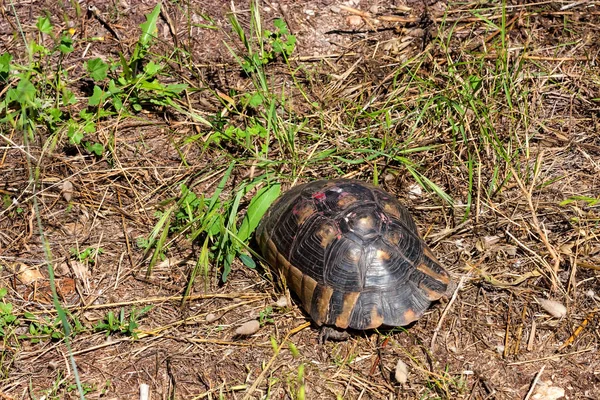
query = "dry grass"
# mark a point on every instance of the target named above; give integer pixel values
(483, 119)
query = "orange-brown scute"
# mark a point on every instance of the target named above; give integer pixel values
(391, 208)
(366, 223)
(346, 201)
(383, 255)
(443, 277)
(303, 211)
(322, 309)
(410, 316)
(430, 293)
(376, 319)
(327, 232)
(343, 319)
(393, 237)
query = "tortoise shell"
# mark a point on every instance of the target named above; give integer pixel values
(352, 253)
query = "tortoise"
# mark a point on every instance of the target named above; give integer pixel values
(352, 254)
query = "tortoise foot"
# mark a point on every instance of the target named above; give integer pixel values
(330, 333)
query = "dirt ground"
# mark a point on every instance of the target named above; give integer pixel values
(493, 339)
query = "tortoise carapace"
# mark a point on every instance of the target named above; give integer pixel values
(352, 253)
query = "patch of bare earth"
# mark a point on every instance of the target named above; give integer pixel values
(492, 341)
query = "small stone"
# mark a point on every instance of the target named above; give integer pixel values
(554, 308)
(546, 392)
(247, 329)
(500, 348)
(281, 302)
(401, 373)
(415, 191)
(67, 190)
(309, 12)
(374, 9)
(354, 20)
(335, 9)
(210, 317)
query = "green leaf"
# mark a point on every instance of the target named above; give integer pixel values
(256, 209)
(43, 24)
(95, 148)
(5, 60)
(75, 134)
(148, 33)
(97, 97)
(247, 260)
(24, 93)
(152, 68)
(98, 69)
(68, 97)
(66, 44)
(255, 100)
(149, 27)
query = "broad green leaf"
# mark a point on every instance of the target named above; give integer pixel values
(257, 208)
(255, 100)
(43, 24)
(24, 93)
(97, 97)
(98, 69)
(66, 44)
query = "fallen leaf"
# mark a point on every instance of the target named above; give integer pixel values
(28, 274)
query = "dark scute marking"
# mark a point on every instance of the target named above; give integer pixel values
(367, 312)
(307, 251)
(403, 305)
(408, 244)
(342, 194)
(342, 266)
(336, 304)
(390, 205)
(307, 293)
(386, 267)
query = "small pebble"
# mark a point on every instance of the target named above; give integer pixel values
(546, 392)
(282, 302)
(401, 373)
(67, 190)
(554, 308)
(414, 191)
(210, 317)
(309, 12)
(247, 329)
(354, 20)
